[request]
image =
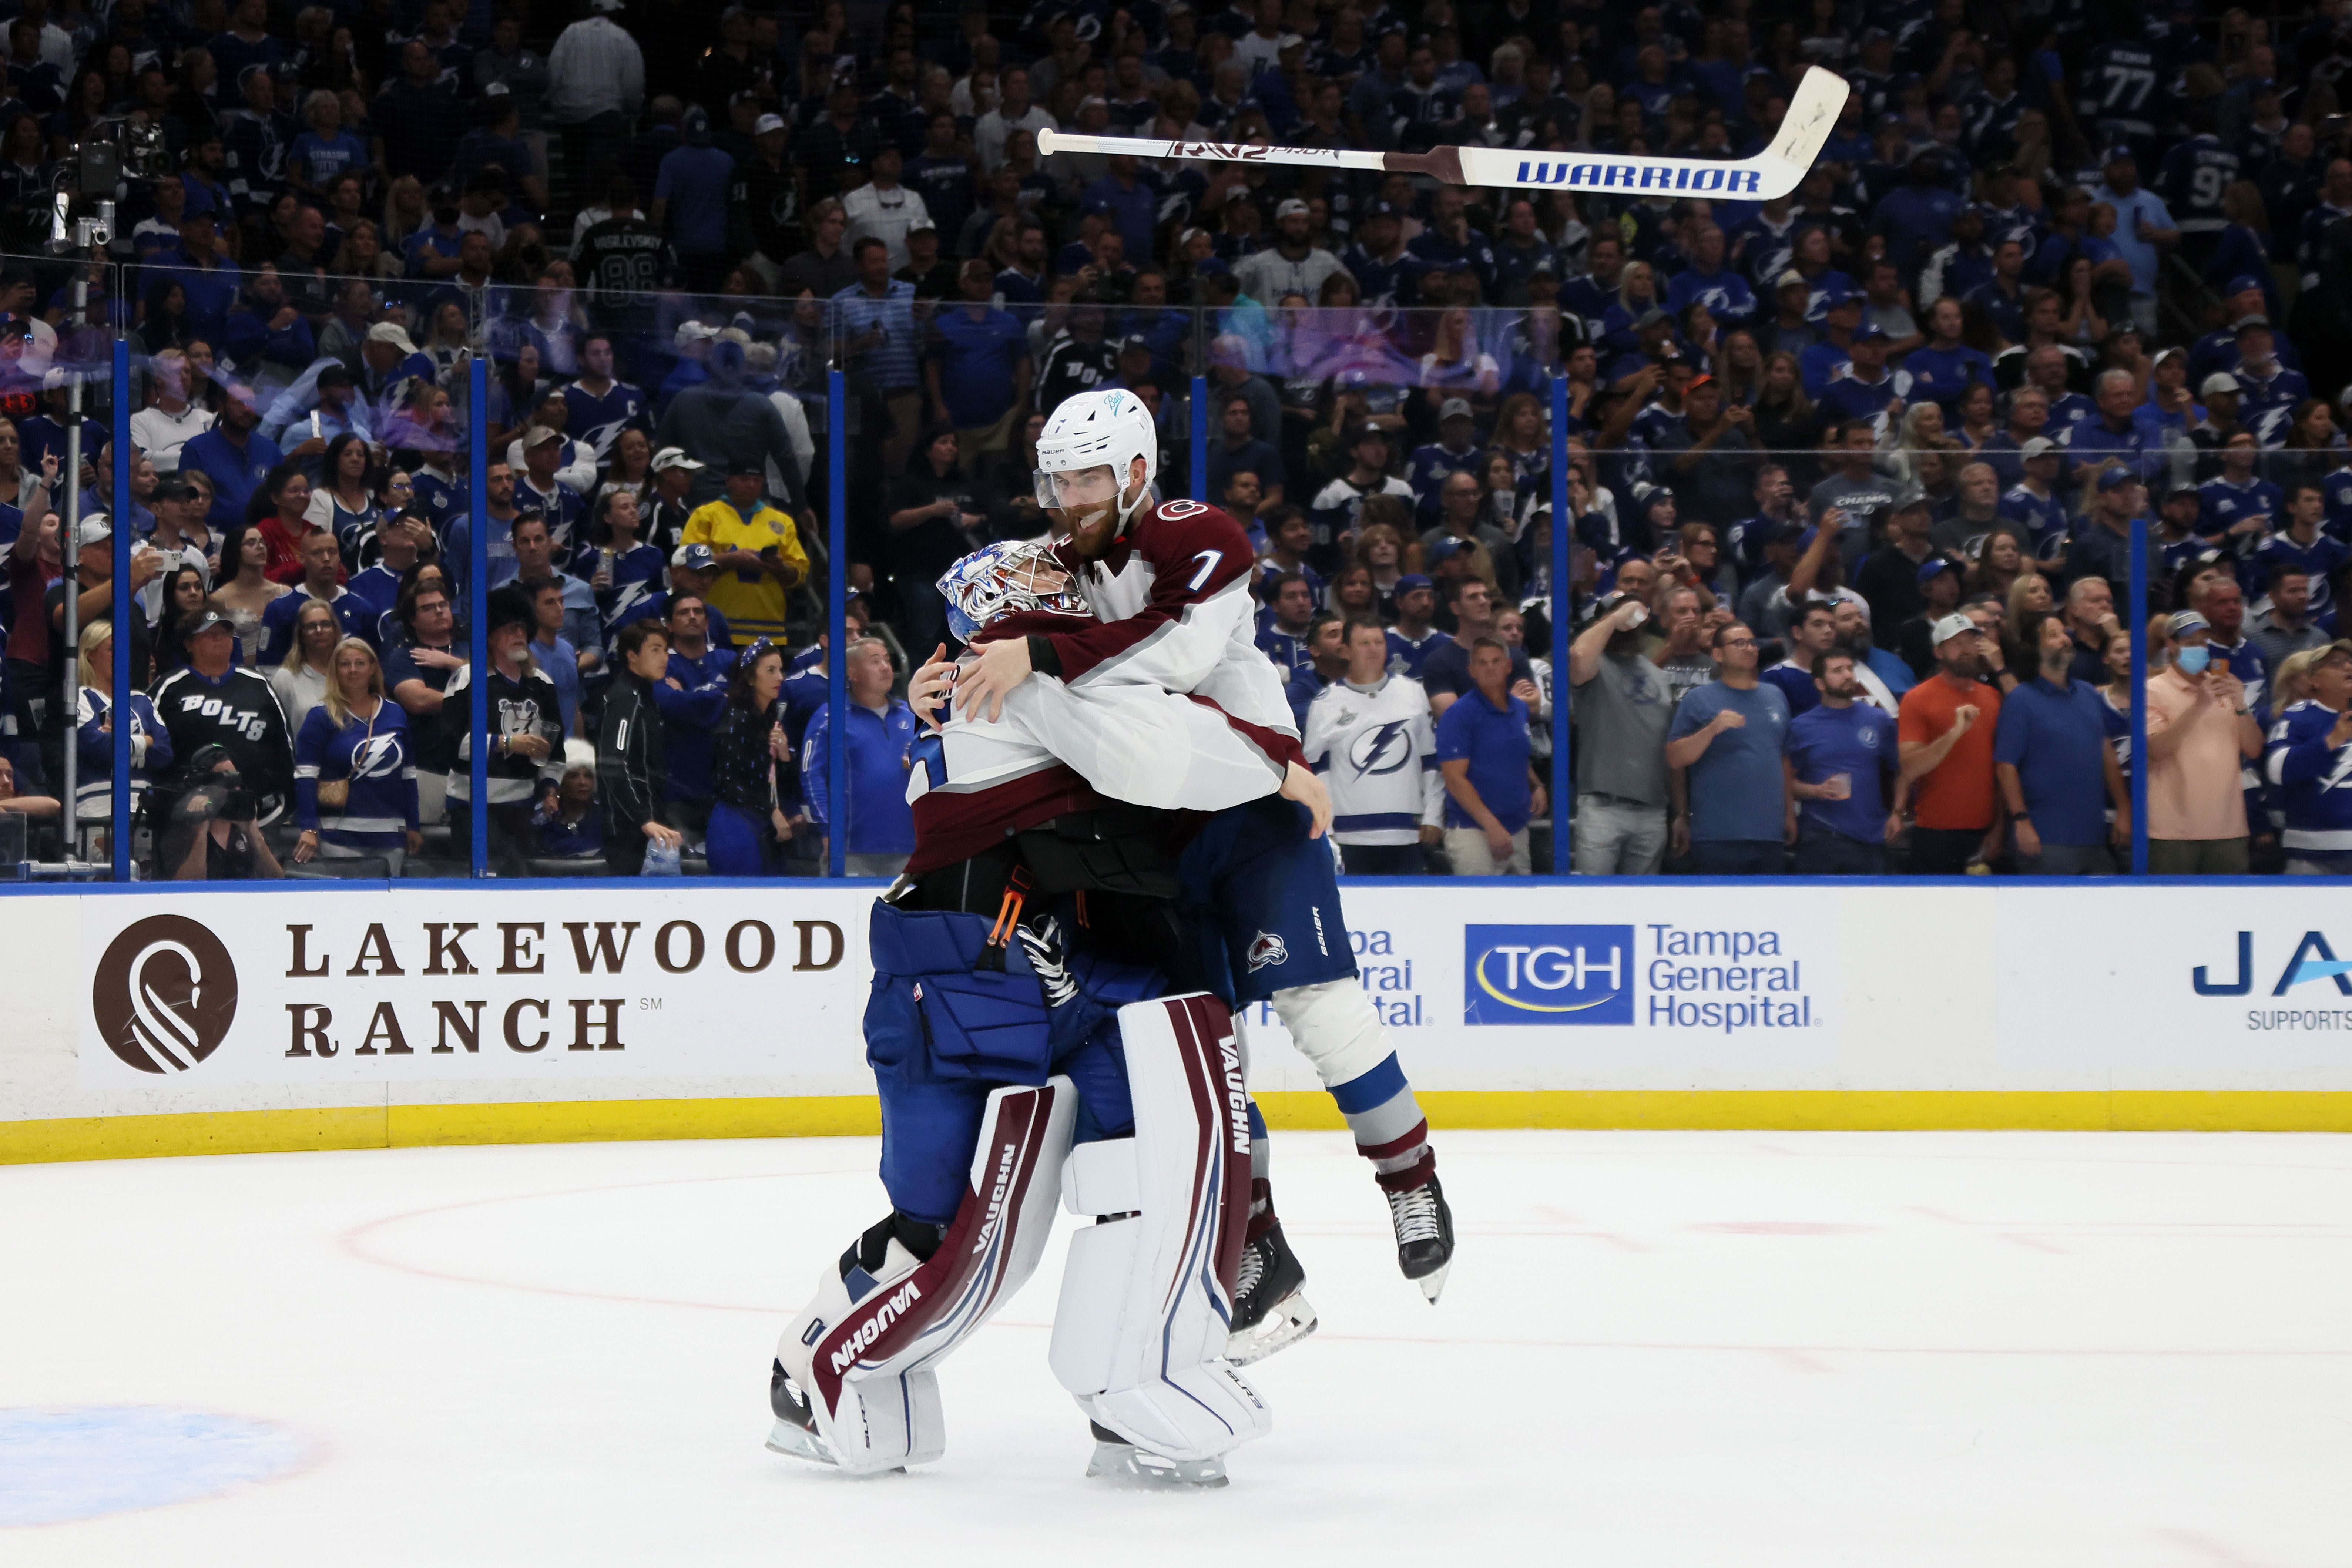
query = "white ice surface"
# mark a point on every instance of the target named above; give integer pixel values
(1695, 1349)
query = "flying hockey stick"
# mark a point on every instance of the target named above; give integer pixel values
(1774, 173)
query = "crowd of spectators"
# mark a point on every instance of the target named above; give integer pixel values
(1851, 476)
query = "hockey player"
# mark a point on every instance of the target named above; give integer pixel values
(1170, 584)
(997, 1047)
(1368, 735)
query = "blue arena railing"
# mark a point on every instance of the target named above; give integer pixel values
(1375, 357)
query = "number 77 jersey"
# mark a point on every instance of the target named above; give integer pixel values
(1173, 593)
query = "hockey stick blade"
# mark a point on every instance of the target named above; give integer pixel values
(1813, 114)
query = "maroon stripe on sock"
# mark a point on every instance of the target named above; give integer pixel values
(1395, 1146)
(1418, 1175)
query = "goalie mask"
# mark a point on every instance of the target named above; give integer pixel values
(1093, 430)
(1003, 579)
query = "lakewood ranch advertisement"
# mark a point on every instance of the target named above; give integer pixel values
(368, 986)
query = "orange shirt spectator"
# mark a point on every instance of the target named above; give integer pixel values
(1945, 730)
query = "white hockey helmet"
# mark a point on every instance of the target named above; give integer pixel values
(1098, 430)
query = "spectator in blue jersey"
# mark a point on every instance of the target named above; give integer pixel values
(2001, 297)
(1830, 359)
(977, 369)
(354, 773)
(1446, 669)
(1287, 537)
(621, 570)
(693, 701)
(1491, 789)
(1454, 450)
(1840, 757)
(1812, 632)
(880, 733)
(1915, 216)
(1412, 637)
(2299, 545)
(2056, 771)
(2268, 391)
(2100, 545)
(2033, 502)
(2114, 436)
(1283, 639)
(321, 563)
(2308, 758)
(1327, 662)
(690, 201)
(1708, 281)
(1942, 370)
(1868, 386)
(234, 456)
(1724, 745)
(598, 408)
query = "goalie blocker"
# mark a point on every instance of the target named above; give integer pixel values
(1147, 1297)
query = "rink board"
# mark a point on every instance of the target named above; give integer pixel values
(218, 1020)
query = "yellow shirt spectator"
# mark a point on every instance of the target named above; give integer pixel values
(760, 558)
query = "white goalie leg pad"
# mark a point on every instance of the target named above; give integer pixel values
(1335, 1026)
(1147, 1295)
(863, 1351)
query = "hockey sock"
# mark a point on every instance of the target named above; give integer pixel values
(1390, 1129)
(1260, 1149)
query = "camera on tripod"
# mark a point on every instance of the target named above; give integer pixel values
(92, 173)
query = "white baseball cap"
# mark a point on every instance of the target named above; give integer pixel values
(673, 458)
(1953, 625)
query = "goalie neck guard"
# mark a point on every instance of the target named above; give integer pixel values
(1009, 577)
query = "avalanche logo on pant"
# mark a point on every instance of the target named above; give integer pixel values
(1266, 950)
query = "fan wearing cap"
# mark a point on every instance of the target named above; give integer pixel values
(1336, 510)
(1454, 451)
(2034, 503)
(2177, 542)
(1385, 271)
(526, 760)
(2200, 732)
(882, 208)
(1832, 357)
(2101, 543)
(1294, 264)
(1868, 388)
(212, 701)
(2217, 351)
(1945, 727)
(758, 551)
(2268, 392)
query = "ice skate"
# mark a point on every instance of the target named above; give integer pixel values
(1425, 1236)
(795, 1432)
(1119, 1463)
(1270, 1305)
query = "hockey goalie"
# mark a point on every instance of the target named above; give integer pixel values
(1028, 1051)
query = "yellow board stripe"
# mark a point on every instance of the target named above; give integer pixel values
(606, 1120)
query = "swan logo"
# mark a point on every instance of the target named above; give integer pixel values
(164, 995)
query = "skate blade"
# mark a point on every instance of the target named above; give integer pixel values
(798, 1442)
(1433, 1283)
(1292, 1319)
(1131, 1469)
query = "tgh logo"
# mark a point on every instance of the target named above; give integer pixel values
(164, 995)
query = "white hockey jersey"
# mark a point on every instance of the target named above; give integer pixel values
(1056, 743)
(1175, 596)
(1377, 751)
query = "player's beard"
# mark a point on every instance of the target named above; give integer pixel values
(1089, 532)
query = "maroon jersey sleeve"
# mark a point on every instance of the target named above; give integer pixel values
(1201, 560)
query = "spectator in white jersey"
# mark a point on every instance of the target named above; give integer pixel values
(1368, 734)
